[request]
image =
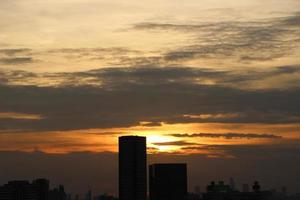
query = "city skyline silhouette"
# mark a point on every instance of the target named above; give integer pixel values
(167, 181)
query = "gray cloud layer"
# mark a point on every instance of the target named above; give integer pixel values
(126, 96)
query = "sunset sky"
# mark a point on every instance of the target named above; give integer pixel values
(215, 79)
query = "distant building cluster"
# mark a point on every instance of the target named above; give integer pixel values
(221, 191)
(167, 181)
(37, 190)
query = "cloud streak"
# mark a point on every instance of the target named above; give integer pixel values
(14, 52)
(228, 135)
(16, 60)
(252, 151)
(175, 143)
(19, 116)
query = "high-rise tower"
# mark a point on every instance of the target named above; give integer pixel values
(132, 168)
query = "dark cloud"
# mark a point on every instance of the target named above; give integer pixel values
(253, 151)
(246, 76)
(168, 26)
(291, 150)
(229, 135)
(149, 74)
(293, 20)
(19, 74)
(16, 60)
(15, 56)
(92, 53)
(152, 149)
(128, 96)
(115, 56)
(115, 50)
(3, 78)
(13, 52)
(149, 124)
(175, 143)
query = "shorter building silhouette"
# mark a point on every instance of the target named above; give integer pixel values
(168, 181)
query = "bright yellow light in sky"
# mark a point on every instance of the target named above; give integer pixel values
(152, 139)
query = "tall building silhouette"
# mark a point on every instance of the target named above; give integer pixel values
(132, 168)
(168, 181)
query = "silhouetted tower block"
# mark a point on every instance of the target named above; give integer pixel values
(132, 168)
(168, 181)
(256, 187)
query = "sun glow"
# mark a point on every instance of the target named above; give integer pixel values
(152, 139)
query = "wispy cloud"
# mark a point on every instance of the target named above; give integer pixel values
(228, 135)
(16, 60)
(19, 116)
(252, 151)
(14, 52)
(175, 143)
(260, 40)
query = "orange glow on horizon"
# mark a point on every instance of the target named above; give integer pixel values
(102, 140)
